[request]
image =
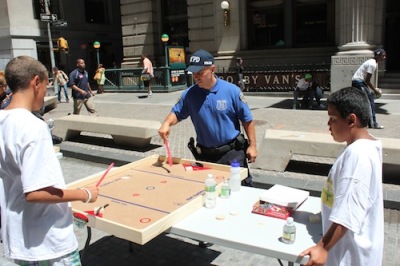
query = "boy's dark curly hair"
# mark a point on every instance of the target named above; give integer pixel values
(351, 100)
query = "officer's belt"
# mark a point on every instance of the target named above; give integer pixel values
(216, 150)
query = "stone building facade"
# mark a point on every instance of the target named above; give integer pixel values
(80, 22)
(267, 33)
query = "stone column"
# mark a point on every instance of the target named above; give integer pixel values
(356, 36)
(139, 31)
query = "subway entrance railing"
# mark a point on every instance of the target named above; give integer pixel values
(128, 80)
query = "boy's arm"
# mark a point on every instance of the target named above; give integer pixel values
(56, 195)
(369, 83)
(319, 252)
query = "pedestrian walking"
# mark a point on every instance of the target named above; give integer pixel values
(147, 74)
(81, 91)
(62, 81)
(100, 78)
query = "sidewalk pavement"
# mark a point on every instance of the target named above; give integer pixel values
(305, 172)
(91, 153)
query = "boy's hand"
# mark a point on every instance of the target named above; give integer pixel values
(378, 93)
(92, 194)
(318, 255)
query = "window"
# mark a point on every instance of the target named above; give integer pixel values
(267, 28)
(310, 22)
(96, 11)
(175, 21)
(290, 23)
(265, 24)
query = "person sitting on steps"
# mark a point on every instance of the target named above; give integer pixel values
(308, 89)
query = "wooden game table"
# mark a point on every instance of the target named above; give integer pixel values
(148, 196)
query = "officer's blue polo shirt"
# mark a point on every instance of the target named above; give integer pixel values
(215, 113)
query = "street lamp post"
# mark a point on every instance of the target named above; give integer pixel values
(165, 39)
(51, 48)
(96, 45)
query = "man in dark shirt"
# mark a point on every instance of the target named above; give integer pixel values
(81, 90)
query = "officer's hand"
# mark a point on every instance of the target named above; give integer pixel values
(164, 131)
(251, 154)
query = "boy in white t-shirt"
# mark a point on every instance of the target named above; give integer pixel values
(36, 217)
(352, 201)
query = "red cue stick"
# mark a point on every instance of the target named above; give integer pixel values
(168, 152)
(104, 175)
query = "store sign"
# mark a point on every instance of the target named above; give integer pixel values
(277, 81)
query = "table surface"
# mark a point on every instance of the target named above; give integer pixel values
(241, 229)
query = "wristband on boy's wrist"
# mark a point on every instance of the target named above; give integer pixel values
(89, 194)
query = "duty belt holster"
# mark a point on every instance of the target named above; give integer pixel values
(239, 143)
(192, 148)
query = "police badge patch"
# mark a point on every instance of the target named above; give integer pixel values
(222, 105)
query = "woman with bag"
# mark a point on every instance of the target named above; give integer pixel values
(147, 74)
(100, 77)
(62, 81)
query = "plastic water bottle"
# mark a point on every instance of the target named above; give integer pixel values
(211, 192)
(234, 180)
(225, 190)
(289, 231)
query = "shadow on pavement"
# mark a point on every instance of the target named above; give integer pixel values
(109, 143)
(390, 172)
(288, 104)
(163, 250)
(308, 168)
(379, 109)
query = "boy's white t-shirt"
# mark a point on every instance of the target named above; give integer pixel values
(31, 231)
(352, 197)
(368, 66)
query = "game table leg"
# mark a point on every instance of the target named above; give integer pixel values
(88, 238)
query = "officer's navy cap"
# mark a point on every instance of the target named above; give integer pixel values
(199, 60)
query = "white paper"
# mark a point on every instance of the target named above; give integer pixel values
(285, 196)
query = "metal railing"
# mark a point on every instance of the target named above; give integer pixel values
(128, 80)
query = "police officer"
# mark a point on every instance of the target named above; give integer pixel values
(216, 108)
